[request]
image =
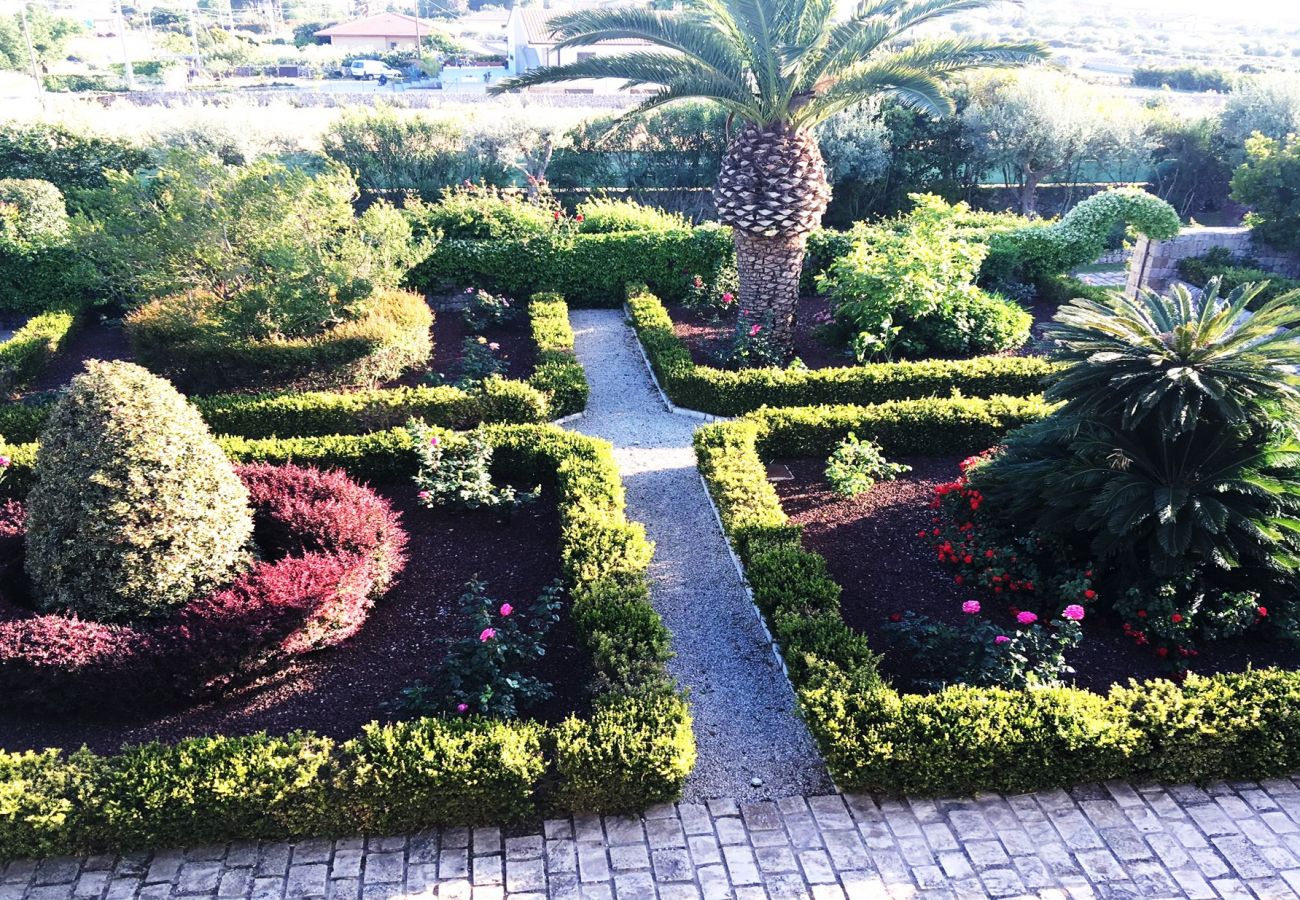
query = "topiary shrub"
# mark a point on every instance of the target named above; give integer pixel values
(134, 509)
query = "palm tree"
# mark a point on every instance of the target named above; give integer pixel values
(778, 67)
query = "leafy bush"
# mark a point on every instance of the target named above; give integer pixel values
(856, 466)
(183, 336)
(601, 215)
(477, 213)
(68, 158)
(486, 310)
(730, 393)
(918, 276)
(484, 672)
(40, 268)
(1266, 183)
(135, 509)
(272, 252)
(456, 474)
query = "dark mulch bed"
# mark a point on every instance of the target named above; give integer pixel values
(338, 690)
(107, 340)
(872, 549)
(709, 339)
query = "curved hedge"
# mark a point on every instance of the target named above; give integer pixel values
(558, 387)
(331, 547)
(725, 393)
(634, 749)
(964, 739)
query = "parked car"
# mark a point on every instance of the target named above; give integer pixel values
(372, 68)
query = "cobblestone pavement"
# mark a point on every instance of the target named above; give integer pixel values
(751, 742)
(1099, 841)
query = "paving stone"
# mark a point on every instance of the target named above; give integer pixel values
(742, 868)
(672, 864)
(525, 875)
(91, 884)
(774, 860)
(624, 830)
(199, 878)
(629, 857)
(307, 881)
(486, 869)
(695, 818)
(663, 833)
(555, 829)
(384, 868)
(561, 856)
(486, 840)
(593, 865)
(705, 850)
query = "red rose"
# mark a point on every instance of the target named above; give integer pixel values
(1262, 610)
(1162, 652)
(1142, 613)
(988, 554)
(1176, 618)
(1090, 594)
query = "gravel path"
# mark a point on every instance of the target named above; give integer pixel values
(746, 726)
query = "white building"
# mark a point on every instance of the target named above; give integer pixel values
(377, 34)
(530, 44)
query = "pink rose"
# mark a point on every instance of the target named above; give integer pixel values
(1073, 612)
(506, 609)
(4, 462)
(755, 329)
(494, 346)
(1001, 639)
(424, 495)
(434, 441)
(1027, 618)
(487, 634)
(462, 707)
(727, 297)
(970, 607)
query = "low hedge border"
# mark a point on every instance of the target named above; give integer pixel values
(724, 393)
(635, 748)
(26, 354)
(557, 388)
(963, 740)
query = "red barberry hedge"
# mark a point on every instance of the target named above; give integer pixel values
(329, 548)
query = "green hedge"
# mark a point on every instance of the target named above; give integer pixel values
(557, 387)
(964, 739)
(727, 393)
(26, 354)
(589, 269)
(634, 749)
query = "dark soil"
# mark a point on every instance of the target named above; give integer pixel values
(871, 547)
(818, 347)
(338, 690)
(107, 340)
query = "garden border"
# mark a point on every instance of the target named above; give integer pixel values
(705, 391)
(556, 389)
(963, 739)
(634, 749)
(29, 351)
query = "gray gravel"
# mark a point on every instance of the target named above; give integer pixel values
(746, 724)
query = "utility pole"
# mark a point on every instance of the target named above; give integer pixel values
(31, 57)
(128, 69)
(194, 35)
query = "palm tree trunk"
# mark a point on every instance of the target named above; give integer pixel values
(769, 269)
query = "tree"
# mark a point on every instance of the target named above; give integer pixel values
(49, 35)
(1269, 105)
(778, 69)
(1269, 182)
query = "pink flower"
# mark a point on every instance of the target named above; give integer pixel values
(462, 707)
(755, 329)
(970, 607)
(1001, 639)
(727, 297)
(506, 609)
(434, 441)
(424, 495)
(1027, 618)
(487, 634)
(494, 346)
(5, 462)
(469, 290)
(1073, 612)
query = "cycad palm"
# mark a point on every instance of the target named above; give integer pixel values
(778, 67)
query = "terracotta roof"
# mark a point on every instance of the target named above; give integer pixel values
(386, 24)
(537, 28)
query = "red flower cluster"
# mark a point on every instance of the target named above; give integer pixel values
(332, 547)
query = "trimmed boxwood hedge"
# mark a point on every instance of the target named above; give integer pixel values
(589, 269)
(634, 749)
(557, 387)
(26, 354)
(726, 393)
(965, 739)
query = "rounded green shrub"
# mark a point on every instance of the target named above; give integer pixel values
(31, 210)
(134, 509)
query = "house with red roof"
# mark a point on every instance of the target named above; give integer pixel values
(378, 33)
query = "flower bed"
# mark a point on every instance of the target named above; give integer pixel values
(556, 388)
(329, 546)
(726, 393)
(633, 749)
(964, 739)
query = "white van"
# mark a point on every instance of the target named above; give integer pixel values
(371, 68)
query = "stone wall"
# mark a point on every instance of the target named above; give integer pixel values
(1155, 263)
